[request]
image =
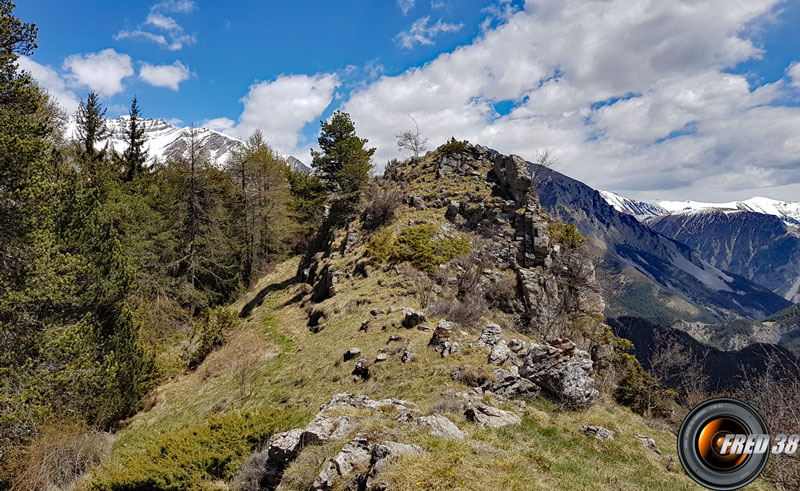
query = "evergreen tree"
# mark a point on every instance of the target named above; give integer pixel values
(91, 125)
(343, 163)
(135, 155)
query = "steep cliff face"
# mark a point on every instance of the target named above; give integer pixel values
(757, 246)
(647, 274)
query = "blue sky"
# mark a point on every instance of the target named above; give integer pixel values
(651, 98)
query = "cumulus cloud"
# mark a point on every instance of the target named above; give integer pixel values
(169, 76)
(50, 80)
(635, 96)
(102, 72)
(421, 33)
(281, 108)
(406, 5)
(170, 34)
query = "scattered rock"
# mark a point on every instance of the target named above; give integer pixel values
(323, 428)
(490, 335)
(412, 317)
(357, 453)
(500, 353)
(491, 417)
(362, 370)
(352, 353)
(408, 354)
(381, 357)
(511, 386)
(598, 432)
(563, 371)
(364, 326)
(517, 345)
(442, 341)
(452, 210)
(343, 400)
(438, 426)
(417, 202)
(424, 328)
(376, 312)
(648, 442)
(394, 338)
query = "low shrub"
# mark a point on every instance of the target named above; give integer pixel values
(210, 334)
(467, 312)
(639, 390)
(418, 245)
(383, 198)
(454, 146)
(211, 450)
(566, 234)
(59, 456)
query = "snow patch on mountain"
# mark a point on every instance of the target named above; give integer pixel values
(165, 140)
(788, 211)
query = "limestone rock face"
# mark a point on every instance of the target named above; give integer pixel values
(491, 417)
(500, 353)
(512, 386)
(514, 173)
(357, 453)
(562, 370)
(352, 353)
(323, 428)
(439, 426)
(490, 335)
(343, 400)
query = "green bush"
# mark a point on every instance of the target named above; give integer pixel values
(566, 234)
(638, 390)
(196, 454)
(453, 146)
(210, 334)
(417, 245)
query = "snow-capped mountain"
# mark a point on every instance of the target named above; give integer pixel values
(632, 206)
(787, 211)
(165, 140)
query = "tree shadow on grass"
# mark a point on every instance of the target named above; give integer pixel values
(258, 300)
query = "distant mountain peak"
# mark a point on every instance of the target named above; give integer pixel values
(165, 140)
(788, 211)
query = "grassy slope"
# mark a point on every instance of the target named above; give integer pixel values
(294, 371)
(298, 371)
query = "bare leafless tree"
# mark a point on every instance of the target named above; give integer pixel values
(412, 140)
(679, 367)
(774, 393)
(545, 161)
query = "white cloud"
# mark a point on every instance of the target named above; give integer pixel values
(421, 33)
(223, 125)
(50, 80)
(102, 72)
(634, 95)
(174, 37)
(169, 76)
(406, 5)
(794, 74)
(281, 108)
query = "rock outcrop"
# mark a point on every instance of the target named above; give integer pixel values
(564, 371)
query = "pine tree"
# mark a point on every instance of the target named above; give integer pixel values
(135, 155)
(92, 127)
(343, 163)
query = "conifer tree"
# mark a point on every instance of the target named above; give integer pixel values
(343, 163)
(135, 155)
(92, 126)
